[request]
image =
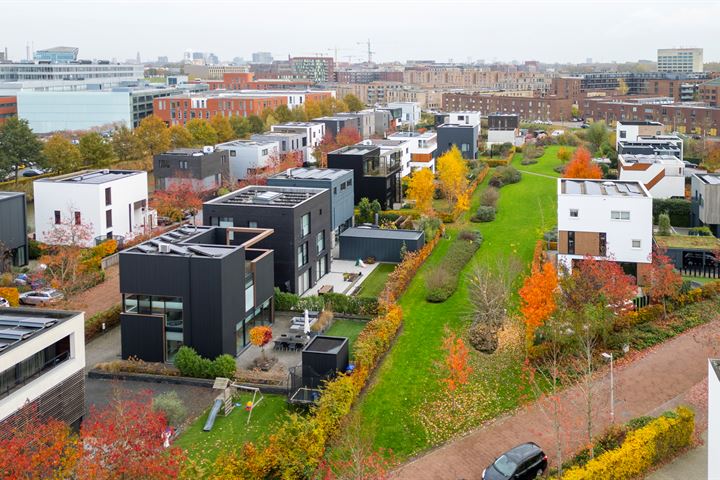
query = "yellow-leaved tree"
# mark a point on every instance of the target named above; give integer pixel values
(421, 189)
(452, 173)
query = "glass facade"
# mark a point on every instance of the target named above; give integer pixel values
(257, 316)
(171, 308)
(34, 366)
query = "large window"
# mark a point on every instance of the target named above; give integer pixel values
(34, 366)
(303, 282)
(249, 291)
(305, 225)
(571, 243)
(619, 215)
(320, 267)
(303, 254)
(320, 241)
(171, 308)
(108, 196)
(108, 218)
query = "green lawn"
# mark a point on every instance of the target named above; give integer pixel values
(232, 431)
(700, 280)
(403, 409)
(546, 163)
(346, 328)
(374, 284)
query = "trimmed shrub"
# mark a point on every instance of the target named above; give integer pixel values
(169, 403)
(459, 253)
(703, 231)
(285, 301)
(10, 294)
(677, 208)
(94, 324)
(504, 176)
(191, 364)
(664, 224)
(489, 197)
(438, 281)
(484, 214)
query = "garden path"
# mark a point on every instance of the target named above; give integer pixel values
(646, 383)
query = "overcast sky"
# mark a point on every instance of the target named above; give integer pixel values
(549, 31)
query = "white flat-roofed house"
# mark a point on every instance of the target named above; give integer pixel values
(42, 365)
(249, 156)
(662, 175)
(110, 203)
(604, 219)
(629, 131)
(399, 146)
(313, 133)
(423, 148)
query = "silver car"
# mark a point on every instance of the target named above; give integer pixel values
(46, 296)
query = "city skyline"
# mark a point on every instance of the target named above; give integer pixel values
(504, 31)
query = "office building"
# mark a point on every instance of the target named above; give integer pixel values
(56, 55)
(204, 168)
(66, 76)
(109, 203)
(204, 287)
(683, 60)
(376, 174)
(300, 219)
(13, 231)
(248, 157)
(42, 367)
(607, 220)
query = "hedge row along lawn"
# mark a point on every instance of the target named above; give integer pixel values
(401, 411)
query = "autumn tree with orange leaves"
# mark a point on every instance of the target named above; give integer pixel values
(662, 281)
(177, 200)
(581, 166)
(537, 295)
(456, 363)
(421, 189)
(347, 136)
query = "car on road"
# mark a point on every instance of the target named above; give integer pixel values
(585, 125)
(32, 172)
(523, 462)
(46, 296)
(4, 302)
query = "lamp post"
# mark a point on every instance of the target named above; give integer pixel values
(609, 356)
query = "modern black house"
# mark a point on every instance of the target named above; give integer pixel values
(338, 182)
(337, 123)
(503, 121)
(186, 288)
(384, 245)
(464, 137)
(377, 173)
(13, 230)
(301, 219)
(205, 168)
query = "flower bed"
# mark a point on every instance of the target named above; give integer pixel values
(442, 281)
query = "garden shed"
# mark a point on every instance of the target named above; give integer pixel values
(383, 245)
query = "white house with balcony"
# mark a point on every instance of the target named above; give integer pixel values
(110, 203)
(609, 220)
(422, 148)
(249, 155)
(629, 131)
(662, 175)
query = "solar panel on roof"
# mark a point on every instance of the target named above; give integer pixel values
(592, 188)
(14, 334)
(573, 188)
(145, 248)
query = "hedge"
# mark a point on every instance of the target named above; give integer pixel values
(191, 364)
(659, 440)
(677, 208)
(459, 253)
(339, 303)
(93, 325)
(10, 294)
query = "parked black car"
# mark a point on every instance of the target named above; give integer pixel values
(698, 259)
(523, 462)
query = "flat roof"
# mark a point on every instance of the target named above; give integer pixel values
(709, 178)
(610, 188)
(383, 142)
(335, 118)
(639, 123)
(268, 196)
(18, 324)
(186, 152)
(303, 173)
(298, 124)
(5, 195)
(92, 177)
(427, 134)
(246, 143)
(371, 232)
(358, 149)
(457, 125)
(628, 158)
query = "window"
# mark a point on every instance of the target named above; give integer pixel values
(623, 134)
(349, 182)
(34, 366)
(303, 282)
(305, 225)
(183, 165)
(602, 240)
(636, 244)
(342, 186)
(334, 190)
(108, 196)
(465, 147)
(303, 254)
(571, 243)
(252, 225)
(320, 267)
(108, 218)
(320, 241)
(57, 217)
(574, 212)
(619, 215)
(233, 153)
(78, 219)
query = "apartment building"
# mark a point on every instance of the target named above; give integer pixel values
(204, 287)
(248, 157)
(680, 59)
(365, 121)
(300, 219)
(607, 220)
(13, 234)
(8, 108)
(398, 147)
(705, 198)
(203, 168)
(662, 175)
(422, 146)
(364, 76)
(376, 174)
(42, 367)
(369, 93)
(316, 69)
(528, 108)
(708, 92)
(476, 78)
(247, 81)
(109, 203)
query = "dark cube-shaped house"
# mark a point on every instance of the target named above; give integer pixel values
(13, 229)
(337, 123)
(464, 137)
(383, 245)
(204, 168)
(302, 222)
(204, 287)
(323, 358)
(376, 173)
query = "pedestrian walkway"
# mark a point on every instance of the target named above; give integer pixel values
(692, 464)
(98, 298)
(655, 379)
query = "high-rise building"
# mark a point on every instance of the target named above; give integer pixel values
(163, 59)
(317, 69)
(262, 57)
(683, 60)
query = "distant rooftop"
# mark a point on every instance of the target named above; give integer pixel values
(358, 149)
(92, 177)
(335, 118)
(59, 49)
(246, 143)
(20, 324)
(614, 188)
(187, 152)
(312, 173)
(382, 142)
(298, 124)
(457, 125)
(640, 158)
(427, 134)
(639, 123)
(268, 196)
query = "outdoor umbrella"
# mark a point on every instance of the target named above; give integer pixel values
(306, 328)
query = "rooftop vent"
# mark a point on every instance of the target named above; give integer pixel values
(164, 248)
(609, 184)
(266, 197)
(106, 171)
(208, 149)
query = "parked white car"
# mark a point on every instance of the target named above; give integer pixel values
(4, 302)
(46, 296)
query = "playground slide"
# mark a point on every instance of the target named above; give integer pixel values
(213, 413)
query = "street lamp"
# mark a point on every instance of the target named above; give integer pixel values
(609, 356)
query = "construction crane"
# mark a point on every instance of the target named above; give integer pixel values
(369, 50)
(336, 50)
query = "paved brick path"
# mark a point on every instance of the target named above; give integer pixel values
(98, 298)
(649, 383)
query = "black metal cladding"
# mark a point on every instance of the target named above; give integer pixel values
(13, 226)
(142, 337)
(382, 249)
(383, 188)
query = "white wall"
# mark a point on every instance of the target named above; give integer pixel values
(501, 136)
(89, 200)
(410, 111)
(75, 327)
(671, 185)
(248, 155)
(468, 118)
